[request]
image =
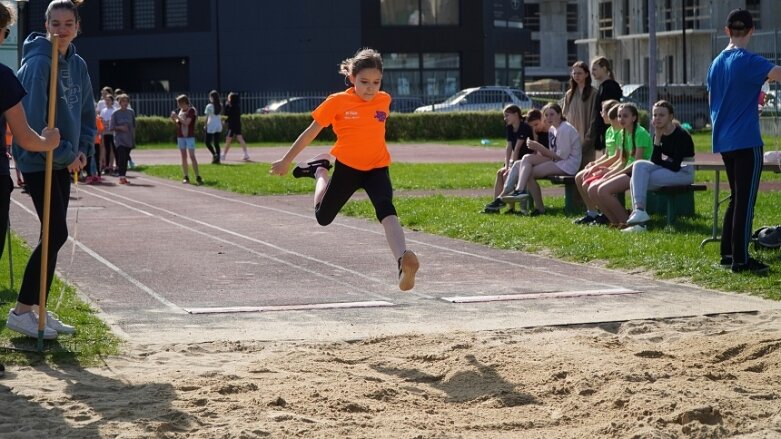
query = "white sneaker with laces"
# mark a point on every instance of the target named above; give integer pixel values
(55, 323)
(638, 217)
(27, 324)
(637, 228)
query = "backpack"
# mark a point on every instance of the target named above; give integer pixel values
(767, 237)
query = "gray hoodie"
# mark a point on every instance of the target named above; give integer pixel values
(75, 110)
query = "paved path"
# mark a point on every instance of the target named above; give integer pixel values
(166, 262)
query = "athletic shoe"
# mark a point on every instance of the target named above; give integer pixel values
(27, 324)
(222, 157)
(637, 228)
(311, 168)
(54, 323)
(587, 219)
(408, 266)
(515, 196)
(123, 180)
(186, 180)
(198, 180)
(536, 212)
(494, 206)
(638, 217)
(752, 266)
(600, 220)
(216, 159)
(246, 157)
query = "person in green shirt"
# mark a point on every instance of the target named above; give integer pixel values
(636, 145)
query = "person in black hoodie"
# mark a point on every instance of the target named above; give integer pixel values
(602, 72)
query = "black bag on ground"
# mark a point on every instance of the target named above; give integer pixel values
(767, 237)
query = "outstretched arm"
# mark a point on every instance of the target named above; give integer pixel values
(281, 166)
(25, 137)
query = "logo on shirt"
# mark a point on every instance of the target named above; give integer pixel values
(350, 115)
(380, 115)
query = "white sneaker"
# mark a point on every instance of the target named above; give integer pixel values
(27, 324)
(638, 217)
(637, 228)
(222, 157)
(53, 322)
(246, 158)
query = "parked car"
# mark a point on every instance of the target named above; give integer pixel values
(405, 104)
(690, 101)
(481, 99)
(304, 104)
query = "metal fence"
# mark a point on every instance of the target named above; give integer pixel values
(161, 104)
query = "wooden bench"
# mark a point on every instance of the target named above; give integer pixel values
(573, 203)
(671, 201)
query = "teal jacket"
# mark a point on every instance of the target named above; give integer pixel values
(75, 108)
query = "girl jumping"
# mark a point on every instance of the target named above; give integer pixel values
(360, 155)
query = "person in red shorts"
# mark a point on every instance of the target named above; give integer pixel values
(360, 155)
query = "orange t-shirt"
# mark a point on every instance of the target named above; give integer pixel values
(359, 127)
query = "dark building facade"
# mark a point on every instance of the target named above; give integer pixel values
(430, 47)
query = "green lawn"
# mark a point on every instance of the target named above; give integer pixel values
(92, 340)
(666, 252)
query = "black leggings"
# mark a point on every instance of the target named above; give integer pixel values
(6, 186)
(215, 139)
(744, 167)
(58, 231)
(123, 156)
(345, 181)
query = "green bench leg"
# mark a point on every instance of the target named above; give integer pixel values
(573, 204)
(671, 205)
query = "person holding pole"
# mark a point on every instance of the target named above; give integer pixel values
(735, 78)
(75, 115)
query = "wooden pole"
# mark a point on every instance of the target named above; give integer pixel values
(47, 194)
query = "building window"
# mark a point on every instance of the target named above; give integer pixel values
(572, 17)
(697, 16)
(111, 15)
(176, 13)
(572, 52)
(434, 75)
(627, 13)
(144, 14)
(669, 22)
(606, 19)
(532, 57)
(508, 69)
(419, 12)
(531, 16)
(753, 7)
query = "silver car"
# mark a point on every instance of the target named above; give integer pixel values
(486, 98)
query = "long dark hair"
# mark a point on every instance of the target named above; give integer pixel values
(71, 5)
(214, 99)
(632, 109)
(573, 86)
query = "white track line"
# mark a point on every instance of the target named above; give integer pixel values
(170, 305)
(549, 295)
(376, 232)
(113, 200)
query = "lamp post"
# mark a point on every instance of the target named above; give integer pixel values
(21, 29)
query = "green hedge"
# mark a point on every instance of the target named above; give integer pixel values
(400, 127)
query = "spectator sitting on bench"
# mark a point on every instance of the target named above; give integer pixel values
(594, 171)
(563, 158)
(636, 144)
(517, 134)
(540, 134)
(673, 147)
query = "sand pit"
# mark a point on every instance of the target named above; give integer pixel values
(702, 377)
